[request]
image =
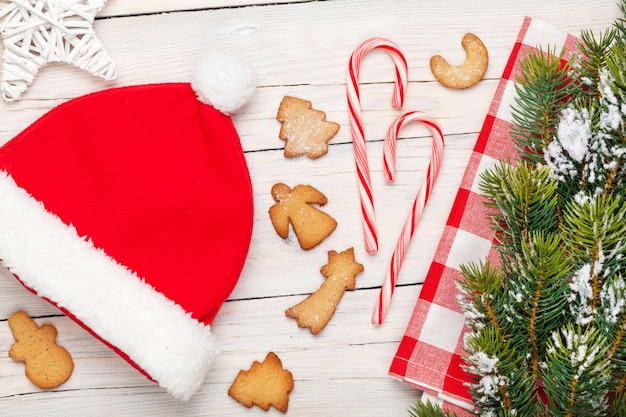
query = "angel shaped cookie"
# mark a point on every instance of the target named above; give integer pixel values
(293, 206)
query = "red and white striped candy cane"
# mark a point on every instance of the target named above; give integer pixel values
(384, 297)
(356, 124)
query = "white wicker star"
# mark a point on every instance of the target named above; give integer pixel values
(36, 32)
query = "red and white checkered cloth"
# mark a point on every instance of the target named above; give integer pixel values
(430, 353)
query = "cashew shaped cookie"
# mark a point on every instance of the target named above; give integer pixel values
(466, 74)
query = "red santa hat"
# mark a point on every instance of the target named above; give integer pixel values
(131, 210)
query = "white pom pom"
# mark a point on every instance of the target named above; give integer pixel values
(223, 80)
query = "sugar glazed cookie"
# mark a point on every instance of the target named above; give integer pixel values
(48, 365)
(293, 206)
(264, 384)
(340, 275)
(466, 74)
(304, 129)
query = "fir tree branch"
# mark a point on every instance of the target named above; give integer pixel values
(617, 353)
(543, 89)
(612, 323)
(501, 384)
(594, 50)
(481, 288)
(428, 409)
(576, 373)
(537, 283)
(523, 200)
(618, 406)
(593, 232)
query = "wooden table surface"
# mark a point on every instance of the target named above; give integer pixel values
(299, 48)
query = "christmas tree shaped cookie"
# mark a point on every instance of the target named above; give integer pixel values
(304, 129)
(264, 384)
(317, 309)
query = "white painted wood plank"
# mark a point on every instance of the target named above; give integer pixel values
(258, 129)
(335, 176)
(288, 50)
(133, 7)
(459, 12)
(310, 62)
(348, 359)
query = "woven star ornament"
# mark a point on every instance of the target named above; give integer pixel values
(36, 32)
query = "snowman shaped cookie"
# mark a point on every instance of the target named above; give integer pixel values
(48, 365)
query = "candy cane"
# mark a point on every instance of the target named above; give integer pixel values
(384, 297)
(356, 124)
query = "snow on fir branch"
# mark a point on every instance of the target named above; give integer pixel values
(547, 325)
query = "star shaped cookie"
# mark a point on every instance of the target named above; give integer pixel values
(36, 32)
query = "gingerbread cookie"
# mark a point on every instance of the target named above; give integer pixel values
(317, 309)
(304, 129)
(466, 74)
(264, 384)
(293, 206)
(48, 365)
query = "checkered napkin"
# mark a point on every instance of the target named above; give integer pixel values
(430, 353)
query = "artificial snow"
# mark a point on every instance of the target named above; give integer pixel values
(582, 293)
(574, 132)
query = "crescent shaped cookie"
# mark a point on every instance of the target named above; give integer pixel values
(466, 74)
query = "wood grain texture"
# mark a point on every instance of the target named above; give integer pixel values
(298, 48)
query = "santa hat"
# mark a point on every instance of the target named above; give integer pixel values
(131, 210)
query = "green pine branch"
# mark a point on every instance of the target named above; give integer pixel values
(428, 409)
(542, 90)
(576, 374)
(523, 200)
